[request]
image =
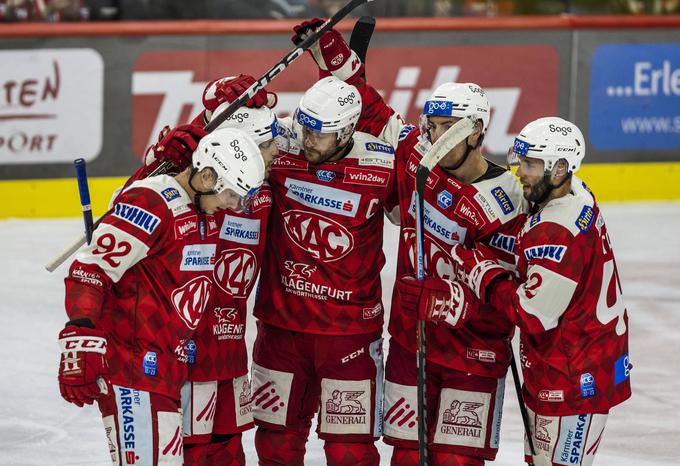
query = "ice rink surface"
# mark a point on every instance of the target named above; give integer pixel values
(38, 428)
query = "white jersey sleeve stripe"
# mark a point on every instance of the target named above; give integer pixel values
(545, 295)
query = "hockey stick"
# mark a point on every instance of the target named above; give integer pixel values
(522, 406)
(84, 193)
(361, 37)
(235, 105)
(453, 136)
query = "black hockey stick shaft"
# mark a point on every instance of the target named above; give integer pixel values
(235, 105)
(361, 38)
(522, 406)
(84, 193)
(421, 347)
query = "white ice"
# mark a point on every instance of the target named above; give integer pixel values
(38, 428)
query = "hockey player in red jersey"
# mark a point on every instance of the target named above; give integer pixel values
(566, 300)
(467, 199)
(135, 295)
(319, 344)
(216, 399)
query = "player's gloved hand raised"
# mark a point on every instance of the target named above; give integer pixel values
(331, 53)
(230, 88)
(175, 145)
(83, 369)
(302, 30)
(437, 299)
(476, 268)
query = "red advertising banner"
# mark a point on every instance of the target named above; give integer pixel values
(521, 82)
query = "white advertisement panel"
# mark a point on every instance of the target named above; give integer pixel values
(51, 105)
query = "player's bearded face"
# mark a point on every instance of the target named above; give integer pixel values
(319, 147)
(531, 174)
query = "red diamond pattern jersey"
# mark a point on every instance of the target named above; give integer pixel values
(567, 303)
(321, 270)
(486, 210)
(145, 280)
(217, 351)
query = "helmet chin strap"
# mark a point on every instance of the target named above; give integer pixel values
(468, 151)
(197, 193)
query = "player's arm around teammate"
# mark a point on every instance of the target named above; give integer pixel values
(566, 300)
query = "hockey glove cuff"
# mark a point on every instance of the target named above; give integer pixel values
(476, 268)
(82, 369)
(437, 299)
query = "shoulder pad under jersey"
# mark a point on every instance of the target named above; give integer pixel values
(500, 197)
(175, 197)
(371, 151)
(575, 211)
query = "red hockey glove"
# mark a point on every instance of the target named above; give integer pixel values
(437, 299)
(339, 59)
(477, 268)
(176, 146)
(304, 28)
(83, 369)
(230, 88)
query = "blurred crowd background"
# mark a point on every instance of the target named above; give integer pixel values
(109, 10)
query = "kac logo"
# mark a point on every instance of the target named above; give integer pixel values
(444, 199)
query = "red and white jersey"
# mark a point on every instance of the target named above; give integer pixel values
(455, 213)
(568, 305)
(217, 351)
(145, 280)
(486, 210)
(321, 271)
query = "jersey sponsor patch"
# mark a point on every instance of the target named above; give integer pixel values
(438, 224)
(405, 131)
(412, 168)
(503, 242)
(322, 237)
(551, 396)
(290, 163)
(325, 175)
(240, 230)
(378, 147)
(444, 199)
(140, 218)
(553, 252)
(198, 257)
(585, 219)
(324, 198)
(481, 355)
(486, 207)
(503, 200)
(587, 385)
(263, 200)
(185, 226)
(621, 369)
(382, 162)
(469, 211)
(366, 176)
(170, 193)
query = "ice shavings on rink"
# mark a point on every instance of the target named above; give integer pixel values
(38, 428)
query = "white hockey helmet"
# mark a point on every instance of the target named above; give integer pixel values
(550, 139)
(235, 158)
(330, 106)
(458, 100)
(259, 123)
